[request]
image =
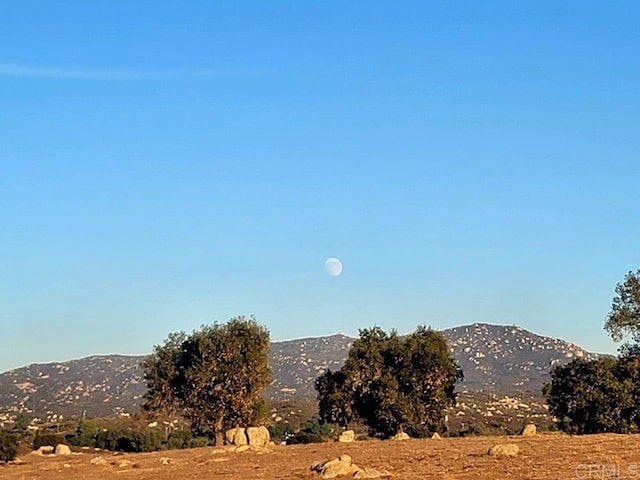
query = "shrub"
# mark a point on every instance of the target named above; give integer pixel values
(198, 442)
(179, 439)
(304, 437)
(87, 428)
(21, 422)
(129, 440)
(280, 431)
(417, 431)
(8, 446)
(81, 440)
(311, 432)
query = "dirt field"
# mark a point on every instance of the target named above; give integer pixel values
(541, 457)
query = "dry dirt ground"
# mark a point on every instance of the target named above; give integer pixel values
(541, 457)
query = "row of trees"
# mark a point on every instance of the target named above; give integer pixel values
(216, 377)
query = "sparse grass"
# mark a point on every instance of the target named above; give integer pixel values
(543, 457)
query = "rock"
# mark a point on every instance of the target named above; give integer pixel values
(343, 466)
(368, 472)
(62, 449)
(240, 437)
(44, 450)
(165, 460)
(504, 450)
(400, 436)
(229, 435)
(347, 436)
(529, 430)
(436, 435)
(152, 425)
(66, 465)
(99, 461)
(258, 436)
(126, 463)
(241, 448)
(336, 467)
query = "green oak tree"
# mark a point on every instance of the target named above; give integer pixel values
(623, 320)
(215, 376)
(391, 383)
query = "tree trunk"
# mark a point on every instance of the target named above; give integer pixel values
(219, 431)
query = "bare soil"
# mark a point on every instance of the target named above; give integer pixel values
(541, 457)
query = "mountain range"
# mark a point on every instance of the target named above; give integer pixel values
(494, 358)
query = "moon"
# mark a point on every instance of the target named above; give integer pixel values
(333, 266)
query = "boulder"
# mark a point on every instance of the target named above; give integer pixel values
(152, 425)
(240, 437)
(400, 436)
(99, 461)
(336, 467)
(62, 449)
(504, 450)
(436, 435)
(44, 450)
(258, 436)
(347, 436)
(228, 436)
(529, 430)
(368, 472)
(343, 466)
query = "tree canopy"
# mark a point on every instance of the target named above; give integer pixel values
(623, 320)
(391, 383)
(603, 395)
(595, 396)
(215, 376)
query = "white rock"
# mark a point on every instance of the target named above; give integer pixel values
(62, 449)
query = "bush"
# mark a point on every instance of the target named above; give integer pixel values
(81, 440)
(87, 428)
(8, 446)
(198, 442)
(21, 423)
(129, 440)
(42, 439)
(304, 437)
(179, 439)
(280, 431)
(311, 432)
(321, 429)
(417, 431)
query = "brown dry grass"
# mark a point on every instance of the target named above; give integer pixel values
(541, 457)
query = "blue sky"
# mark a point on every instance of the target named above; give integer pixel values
(169, 164)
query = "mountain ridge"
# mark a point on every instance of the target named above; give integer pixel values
(494, 358)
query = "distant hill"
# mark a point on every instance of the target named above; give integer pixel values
(494, 358)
